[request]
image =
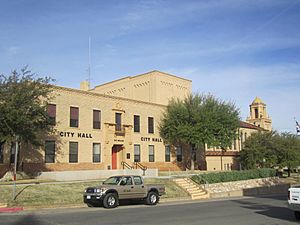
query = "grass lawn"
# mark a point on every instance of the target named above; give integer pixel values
(60, 194)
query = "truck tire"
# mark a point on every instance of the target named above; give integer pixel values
(110, 200)
(152, 198)
(297, 214)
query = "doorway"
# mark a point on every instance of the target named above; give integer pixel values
(114, 156)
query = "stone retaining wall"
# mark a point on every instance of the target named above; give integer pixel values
(253, 187)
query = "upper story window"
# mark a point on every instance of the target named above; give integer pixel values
(74, 116)
(167, 153)
(256, 112)
(118, 120)
(51, 109)
(49, 151)
(150, 125)
(136, 123)
(96, 119)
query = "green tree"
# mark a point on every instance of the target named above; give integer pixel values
(288, 151)
(259, 150)
(200, 120)
(270, 149)
(23, 107)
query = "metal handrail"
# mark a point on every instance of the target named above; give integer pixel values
(141, 166)
(125, 164)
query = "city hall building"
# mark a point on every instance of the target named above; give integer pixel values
(115, 126)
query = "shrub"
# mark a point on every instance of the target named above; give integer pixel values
(233, 176)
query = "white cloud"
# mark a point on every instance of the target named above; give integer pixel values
(13, 50)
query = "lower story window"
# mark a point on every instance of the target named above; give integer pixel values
(151, 153)
(137, 153)
(73, 152)
(96, 152)
(1, 152)
(49, 151)
(167, 153)
(179, 154)
(12, 152)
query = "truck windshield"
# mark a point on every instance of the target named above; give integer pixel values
(112, 180)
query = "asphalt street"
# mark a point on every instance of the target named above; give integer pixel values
(239, 211)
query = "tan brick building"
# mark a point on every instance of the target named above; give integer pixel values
(115, 126)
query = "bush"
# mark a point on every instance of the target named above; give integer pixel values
(233, 176)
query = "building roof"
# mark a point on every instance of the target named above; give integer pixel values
(249, 126)
(144, 74)
(257, 100)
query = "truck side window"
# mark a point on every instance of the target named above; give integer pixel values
(137, 180)
(128, 181)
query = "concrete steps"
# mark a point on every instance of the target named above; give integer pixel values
(194, 190)
(3, 205)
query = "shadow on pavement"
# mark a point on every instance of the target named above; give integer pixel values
(283, 213)
(30, 220)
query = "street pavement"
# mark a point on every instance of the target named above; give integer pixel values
(235, 211)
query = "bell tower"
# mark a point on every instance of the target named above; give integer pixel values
(258, 115)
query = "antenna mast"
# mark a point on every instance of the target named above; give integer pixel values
(89, 68)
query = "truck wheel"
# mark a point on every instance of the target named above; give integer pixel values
(110, 200)
(297, 214)
(152, 198)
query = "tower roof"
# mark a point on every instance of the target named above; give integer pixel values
(257, 100)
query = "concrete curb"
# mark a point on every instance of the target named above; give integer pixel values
(14, 209)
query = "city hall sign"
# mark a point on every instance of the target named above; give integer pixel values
(73, 134)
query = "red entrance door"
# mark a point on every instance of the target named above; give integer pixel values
(114, 158)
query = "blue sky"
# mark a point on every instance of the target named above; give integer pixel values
(234, 49)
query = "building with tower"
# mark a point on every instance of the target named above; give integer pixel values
(258, 115)
(115, 126)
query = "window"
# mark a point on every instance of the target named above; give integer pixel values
(234, 144)
(51, 109)
(245, 136)
(167, 153)
(74, 115)
(150, 125)
(12, 152)
(49, 151)
(137, 153)
(151, 153)
(179, 154)
(96, 152)
(137, 180)
(96, 119)
(1, 152)
(256, 112)
(127, 180)
(118, 121)
(73, 152)
(136, 122)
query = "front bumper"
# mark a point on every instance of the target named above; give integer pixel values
(93, 198)
(294, 207)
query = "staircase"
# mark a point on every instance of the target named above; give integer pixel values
(3, 205)
(194, 190)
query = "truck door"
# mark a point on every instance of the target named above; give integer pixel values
(140, 191)
(126, 189)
